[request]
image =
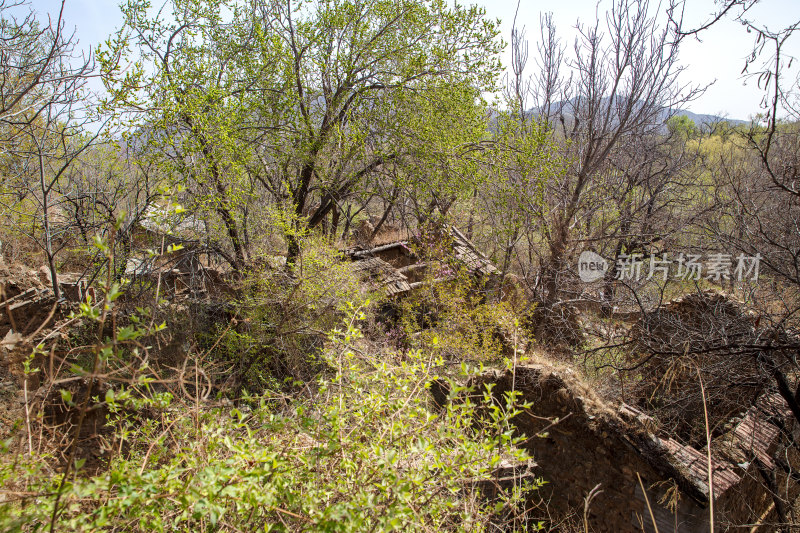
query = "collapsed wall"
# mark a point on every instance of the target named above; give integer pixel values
(578, 442)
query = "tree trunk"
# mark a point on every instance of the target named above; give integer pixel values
(223, 209)
(293, 251)
(555, 263)
(48, 236)
(471, 220)
(334, 224)
(348, 221)
(383, 218)
(509, 250)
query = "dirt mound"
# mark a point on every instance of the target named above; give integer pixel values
(705, 333)
(16, 279)
(577, 442)
(698, 321)
(557, 326)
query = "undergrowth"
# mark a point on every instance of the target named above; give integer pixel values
(363, 450)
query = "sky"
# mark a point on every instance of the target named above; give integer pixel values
(718, 56)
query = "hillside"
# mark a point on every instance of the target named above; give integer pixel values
(287, 270)
(566, 108)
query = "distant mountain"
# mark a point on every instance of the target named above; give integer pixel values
(699, 119)
(707, 120)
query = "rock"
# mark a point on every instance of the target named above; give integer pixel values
(11, 340)
(275, 262)
(44, 275)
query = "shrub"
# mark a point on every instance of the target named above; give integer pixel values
(362, 451)
(278, 325)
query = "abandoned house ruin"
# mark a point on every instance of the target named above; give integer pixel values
(579, 441)
(395, 268)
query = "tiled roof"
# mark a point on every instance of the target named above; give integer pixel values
(755, 434)
(754, 437)
(382, 275)
(695, 463)
(466, 253)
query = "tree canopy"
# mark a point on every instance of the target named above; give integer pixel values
(299, 102)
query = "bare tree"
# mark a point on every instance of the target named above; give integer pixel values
(605, 105)
(763, 210)
(55, 143)
(745, 358)
(626, 82)
(44, 115)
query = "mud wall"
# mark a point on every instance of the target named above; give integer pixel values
(577, 442)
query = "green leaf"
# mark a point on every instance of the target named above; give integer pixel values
(67, 397)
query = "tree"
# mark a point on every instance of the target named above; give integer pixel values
(751, 172)
(52, 144)
(624, 84)
(38, 64)
(523, 159)
(763, 187)
(682, 125)
(44, 113)
(292, 102)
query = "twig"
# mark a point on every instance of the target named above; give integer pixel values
(647, 501)
(587, 502)
(708, 453)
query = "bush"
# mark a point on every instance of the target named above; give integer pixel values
(277, 328)
(362, 451)
(456, 307)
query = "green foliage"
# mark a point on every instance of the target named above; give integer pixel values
(285, 101)
(453, 320)
(682, 126)
(522, 162)
(364, 453)
(525, 160)
(282, 316)
(438, 128)
(450, 313)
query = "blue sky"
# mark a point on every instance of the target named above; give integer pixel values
(720, 55)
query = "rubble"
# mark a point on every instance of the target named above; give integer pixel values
(381, 274)
(578, 440)
(692, 334)
(395, 269)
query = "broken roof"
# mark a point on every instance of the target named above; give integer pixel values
(752, 438)
(393, 280)
(467, 254)
(382, 275)
(694, 465)
(756, 435)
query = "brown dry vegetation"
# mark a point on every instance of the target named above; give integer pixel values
(294, 274)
